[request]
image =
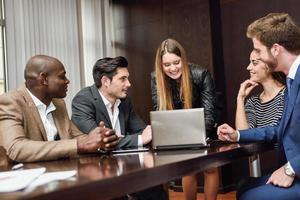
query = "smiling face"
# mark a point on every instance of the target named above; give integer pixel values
(117, 87)
(259, 70)
(172, 65)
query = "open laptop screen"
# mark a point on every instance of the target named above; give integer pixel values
(184, 128)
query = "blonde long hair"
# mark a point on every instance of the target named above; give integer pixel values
(164, 95)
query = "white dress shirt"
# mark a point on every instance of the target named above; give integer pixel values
(294, 67)
(114, 117)
(46, 116)
(113, 114)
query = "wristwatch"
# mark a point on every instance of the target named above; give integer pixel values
(288, 170)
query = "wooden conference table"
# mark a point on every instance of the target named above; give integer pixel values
(110, 176)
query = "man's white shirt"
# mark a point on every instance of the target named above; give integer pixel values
(114, 117)
(46, 116)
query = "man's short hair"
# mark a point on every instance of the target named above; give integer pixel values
(276, 28)
(107, 67)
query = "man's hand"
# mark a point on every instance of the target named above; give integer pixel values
(245, 88)
(147, 135)
(226, 133)
(99, 138)
(279, 178)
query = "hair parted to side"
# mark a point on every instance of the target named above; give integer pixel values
(276, 28)
(164, 95)
(107, 67)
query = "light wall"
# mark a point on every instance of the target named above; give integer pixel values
(75, 32)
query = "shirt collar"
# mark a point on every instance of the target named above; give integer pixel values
(39, 104)
(107, 103)
(294, 67)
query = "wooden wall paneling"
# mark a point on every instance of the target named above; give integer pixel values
(218, 60)
(138, 33)
(189, 23)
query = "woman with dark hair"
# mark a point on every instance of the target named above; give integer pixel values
(177, 84)
(262, 109)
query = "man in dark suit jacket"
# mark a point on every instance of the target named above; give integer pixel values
(107, 101)
(276, 40)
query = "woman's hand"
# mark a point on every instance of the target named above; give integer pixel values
(245, 88)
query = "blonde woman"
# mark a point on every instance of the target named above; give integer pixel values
(177, 84)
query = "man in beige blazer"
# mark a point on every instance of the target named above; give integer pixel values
(34, 123)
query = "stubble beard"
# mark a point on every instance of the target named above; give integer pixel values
(271, 62)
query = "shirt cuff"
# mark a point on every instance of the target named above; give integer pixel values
(290, 166)
(140, 141)
(238, 136)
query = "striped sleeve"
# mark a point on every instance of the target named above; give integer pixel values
(251, 112)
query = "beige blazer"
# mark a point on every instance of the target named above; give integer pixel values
(22, 133)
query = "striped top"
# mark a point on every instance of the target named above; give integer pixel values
(264, 114)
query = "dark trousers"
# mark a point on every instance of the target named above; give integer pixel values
(256, 188)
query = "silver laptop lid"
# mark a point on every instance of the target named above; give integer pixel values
(178, 128)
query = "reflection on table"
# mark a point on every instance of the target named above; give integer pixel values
(111, 176)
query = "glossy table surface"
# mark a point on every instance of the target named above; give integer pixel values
(111, 176)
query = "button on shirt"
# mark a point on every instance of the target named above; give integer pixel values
(46, 116)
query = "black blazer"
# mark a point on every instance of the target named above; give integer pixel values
(88, 110)
(204, 95)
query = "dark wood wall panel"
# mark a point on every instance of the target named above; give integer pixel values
(189, 23)
(236, 15)
(141, 25)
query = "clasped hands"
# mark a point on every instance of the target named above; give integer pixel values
(99, 139)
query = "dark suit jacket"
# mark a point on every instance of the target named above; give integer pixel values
(22, 132)
(88, 110)
(286, 132)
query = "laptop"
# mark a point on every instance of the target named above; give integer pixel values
(176, 129)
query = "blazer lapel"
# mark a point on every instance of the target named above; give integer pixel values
(100, 104)
(33, 110)
(122, 119)
(292, 98)
(59, 122)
